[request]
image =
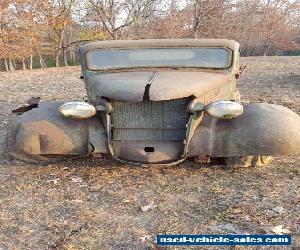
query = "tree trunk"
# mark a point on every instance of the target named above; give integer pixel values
(42, 61)
(60, 47)
(23, 64)
(6, 65)
(14, 63)
(65, 56)
(195, 35)
(266, 47)
(72, 55)
(57, 59)
(220, 23)
(31, 61)
(10, 65)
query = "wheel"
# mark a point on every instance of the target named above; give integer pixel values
(248, 161)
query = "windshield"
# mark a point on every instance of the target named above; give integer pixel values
(218, 58)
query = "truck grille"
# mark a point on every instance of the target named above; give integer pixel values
(149, 120)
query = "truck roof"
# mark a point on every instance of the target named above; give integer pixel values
(160, 43)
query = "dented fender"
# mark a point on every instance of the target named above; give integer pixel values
(263, 129)
(44, 131)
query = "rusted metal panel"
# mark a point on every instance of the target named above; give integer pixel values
(124, 86)
(44, 137)
(148, 151)
(44, 131)
(97, 136)
(263, 129)
(166, 85)
(176, 84)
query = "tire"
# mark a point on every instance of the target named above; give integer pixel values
(248, 161)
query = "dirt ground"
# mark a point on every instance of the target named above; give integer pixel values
(96, 204)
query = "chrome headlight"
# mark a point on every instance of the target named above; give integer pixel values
(224, 109)
(77, 109)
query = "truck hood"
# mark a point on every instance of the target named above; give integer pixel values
(163, 85)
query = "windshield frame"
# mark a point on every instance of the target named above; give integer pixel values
(230, 59)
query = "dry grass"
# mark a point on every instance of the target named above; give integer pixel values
(96, 204)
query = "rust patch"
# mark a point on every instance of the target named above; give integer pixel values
(40, 137)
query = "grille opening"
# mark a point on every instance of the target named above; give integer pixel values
(150, 120)
(149, 149)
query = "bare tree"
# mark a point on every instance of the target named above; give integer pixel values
(204, 11)
(275, 14)
(115, 16)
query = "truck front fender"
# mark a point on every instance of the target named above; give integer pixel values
(44, 131)
(263, 129)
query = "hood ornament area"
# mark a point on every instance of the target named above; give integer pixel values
(146, 96)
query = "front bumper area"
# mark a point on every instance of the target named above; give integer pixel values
(263, 129)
